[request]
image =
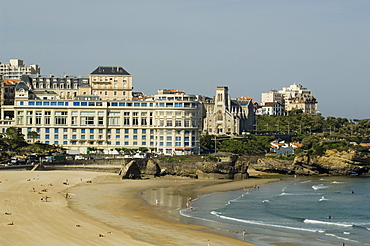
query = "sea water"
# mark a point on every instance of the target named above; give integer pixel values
(299, 211)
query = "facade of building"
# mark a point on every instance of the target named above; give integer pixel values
(272, 109)
(111, 83)
(16, 68)
(78, 114)
(294, 97)
(272, 96)
(224, 115)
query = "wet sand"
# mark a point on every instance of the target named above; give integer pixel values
(106, 210)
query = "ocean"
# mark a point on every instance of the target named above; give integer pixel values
(295, 211)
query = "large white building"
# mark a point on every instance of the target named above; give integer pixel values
(15, 68)
(294, 97)
(96, 111)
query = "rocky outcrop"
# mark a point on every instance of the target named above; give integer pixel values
(332, 163)
(343, 163)
(130, 170)
(212, 167)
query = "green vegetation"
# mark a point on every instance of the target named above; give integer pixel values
(315, 132)
(12, 139)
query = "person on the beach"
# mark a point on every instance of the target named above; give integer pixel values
(67, 195)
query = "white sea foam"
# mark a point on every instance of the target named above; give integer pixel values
(182, 213)
(299, 194)
(308, 221)
(342, 238)
(307, 181)
(319, 187)
(253, 222)
(336, 182)
(264, 201)
(323, 199)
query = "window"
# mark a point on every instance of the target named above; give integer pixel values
(113, 121)
(38, 120)
(87, 120)
(135, 121)
(169, 123)
(143, 122)
(178, 123)
(60, 120)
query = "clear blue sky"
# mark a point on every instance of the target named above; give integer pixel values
(195, 45)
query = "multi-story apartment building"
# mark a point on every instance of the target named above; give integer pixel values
(293, 97)
(224, 115)
(111, 83)
(272, 109)
(16, 68)
(272, 96)
(298, 97)
(77, 112)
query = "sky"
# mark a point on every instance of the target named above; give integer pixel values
(195, 45)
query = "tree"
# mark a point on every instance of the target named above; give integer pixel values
(33, 135)
(13, 137)
(207, 142)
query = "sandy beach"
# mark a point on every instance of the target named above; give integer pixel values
(94, 208)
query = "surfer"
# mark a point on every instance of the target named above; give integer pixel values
(329, 217)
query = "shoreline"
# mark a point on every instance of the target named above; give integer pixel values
(148, 209)
(106, 206)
